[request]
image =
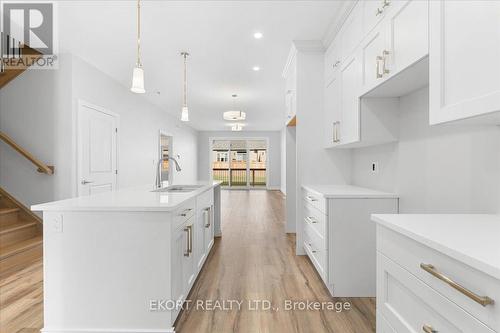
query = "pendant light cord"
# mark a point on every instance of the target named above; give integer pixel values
(139, 64)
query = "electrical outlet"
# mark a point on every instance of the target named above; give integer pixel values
(57, 224)
(374, 167)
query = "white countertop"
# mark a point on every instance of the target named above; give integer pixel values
(347, 191)
(129, 199)
(473, 239)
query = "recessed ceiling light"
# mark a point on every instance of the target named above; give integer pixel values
(257, 35)
(256, 68)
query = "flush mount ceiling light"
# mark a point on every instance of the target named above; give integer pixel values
(185, 111)
(234, 115)
(138, 74)
(257, 35)
(256, 68)
(236, 127)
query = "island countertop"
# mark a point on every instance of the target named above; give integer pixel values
(141, 198)
(347, 192)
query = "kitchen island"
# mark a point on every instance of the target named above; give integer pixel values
(125, 261)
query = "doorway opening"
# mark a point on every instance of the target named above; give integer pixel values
(240, 163)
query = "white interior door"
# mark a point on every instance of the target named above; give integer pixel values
(97, 153)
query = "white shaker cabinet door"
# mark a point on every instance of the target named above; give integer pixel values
(408, 33)
(332, 112)
(464, 59)
(350, 75)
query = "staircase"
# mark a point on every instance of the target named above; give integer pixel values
(20, 235)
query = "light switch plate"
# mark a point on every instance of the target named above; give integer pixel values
(57, 224)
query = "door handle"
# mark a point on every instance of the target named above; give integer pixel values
(189, 232)
(428, 329)
(85, 182)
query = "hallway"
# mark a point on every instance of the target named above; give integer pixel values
(255, 260)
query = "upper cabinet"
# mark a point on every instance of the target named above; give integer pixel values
(351, 32)
(464, 61)
(290, 75)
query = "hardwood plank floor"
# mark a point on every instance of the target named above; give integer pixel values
(254, 260)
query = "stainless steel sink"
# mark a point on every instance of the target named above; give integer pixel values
(179, 188)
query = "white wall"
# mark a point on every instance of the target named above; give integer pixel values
(283, 161)
(439, 169)
(44, 123)
(274, 152)
(140, 122)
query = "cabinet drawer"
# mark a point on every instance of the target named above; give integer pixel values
(316, 254)
(314, 218)
(410, 255)
(409, 305)
(318, 241)
(315, 199)
(183, 213)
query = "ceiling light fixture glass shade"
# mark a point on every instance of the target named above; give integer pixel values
(138, 74)
(236, 127)
(185, 114)
(234, 115)
(138, 80)
(185, 111)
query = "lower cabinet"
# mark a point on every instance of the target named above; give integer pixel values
(422, 290)
(192, 240)
(339, 238)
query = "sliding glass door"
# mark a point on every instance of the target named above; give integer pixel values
(240, 163)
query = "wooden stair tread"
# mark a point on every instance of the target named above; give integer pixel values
(16, 226)
(5, 211)
(20, 247)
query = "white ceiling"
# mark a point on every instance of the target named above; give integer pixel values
(219, 37)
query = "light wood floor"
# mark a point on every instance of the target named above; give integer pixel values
(254, 260)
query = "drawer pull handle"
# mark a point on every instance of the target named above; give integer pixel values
(311, 198)
(311, 220)
(483, 300)
(186, 211)
(428, 329)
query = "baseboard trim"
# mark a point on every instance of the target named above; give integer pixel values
(104, 330)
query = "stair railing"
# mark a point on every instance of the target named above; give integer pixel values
(42, 167)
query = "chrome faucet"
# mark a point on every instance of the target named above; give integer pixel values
(158, 169)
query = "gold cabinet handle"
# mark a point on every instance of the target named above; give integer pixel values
(379, 11)
(378, 60)
(311, 220)
(209, 216)
(386, 3)
(186, 211)
(311, 198)
(188, 243)
(385, 53)
(483, 300)
(428, 329)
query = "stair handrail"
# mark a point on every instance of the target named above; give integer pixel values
(42, 167)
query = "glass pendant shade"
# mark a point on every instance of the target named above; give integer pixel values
(185, 114)
(138, 80)
(234, 115)
(236, 127)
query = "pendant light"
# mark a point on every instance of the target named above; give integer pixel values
(185, 111)
(138, 74)
(234, 114)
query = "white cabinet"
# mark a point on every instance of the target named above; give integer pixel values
(290, 75)
(333, 61)
(339, 237)
(407, 33)
(332, 112)
(204, 229)
(374, 53)
(350, 83)
(464, 53)
(373, 12)
(351, 33)
(427, 278)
